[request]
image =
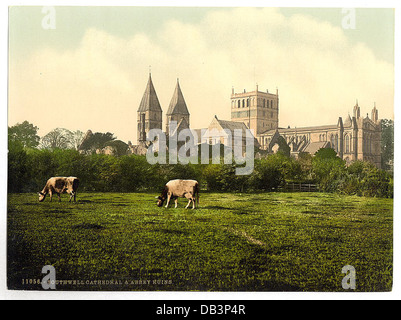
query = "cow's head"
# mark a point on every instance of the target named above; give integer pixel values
(42, 196)
(160, 201)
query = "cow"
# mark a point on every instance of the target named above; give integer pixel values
(60, 185)
(178, 188)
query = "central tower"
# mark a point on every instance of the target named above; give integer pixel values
(256, 109)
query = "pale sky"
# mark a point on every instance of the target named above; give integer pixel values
(90, 72)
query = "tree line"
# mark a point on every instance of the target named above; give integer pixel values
(29, 167)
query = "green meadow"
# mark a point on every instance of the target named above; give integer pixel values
(232, 242)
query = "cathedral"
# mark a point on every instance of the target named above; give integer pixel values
(355, 138)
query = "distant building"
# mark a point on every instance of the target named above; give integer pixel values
(356, 138)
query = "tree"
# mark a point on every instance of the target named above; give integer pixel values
(327, 169)
(17, 167)
(94, 141)
(58, 138)
(25, 133)
(76, 139)
(119, 147)
(326, 153)
(387, 144)
(269, 172)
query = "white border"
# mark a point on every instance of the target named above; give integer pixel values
(33, 295)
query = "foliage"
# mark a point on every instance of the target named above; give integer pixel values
(327, 169)
(30, 168)
(96, 141)
(58, 138)
(18, 171)
(387, 144)
(24, 133)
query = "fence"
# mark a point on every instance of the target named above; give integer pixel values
(299, 187)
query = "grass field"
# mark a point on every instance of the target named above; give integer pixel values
(233, 242)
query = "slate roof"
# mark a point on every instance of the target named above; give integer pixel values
(149, 101)
(313, 147)
(231, 125)
(177, 103)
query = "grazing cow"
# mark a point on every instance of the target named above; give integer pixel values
(180, 189)
(60, 185)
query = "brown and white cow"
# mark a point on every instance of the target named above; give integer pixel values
(178, 188)
(60, 185)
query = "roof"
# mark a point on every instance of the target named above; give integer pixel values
(231, 125)
(149, 101)
(301, 129)
(177, 103)
(313, 147)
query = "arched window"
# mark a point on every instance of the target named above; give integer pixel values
(333, 142)
(347, 144)
(243, 103)
(336, 143)
(370, 143)
(239, 103)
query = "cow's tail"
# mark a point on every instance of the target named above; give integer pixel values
(197, 194)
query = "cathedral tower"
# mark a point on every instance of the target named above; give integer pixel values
(177, 110)
(257, 109)
(149, 112)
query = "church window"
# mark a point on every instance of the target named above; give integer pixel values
(332, 141)
(239, 103)
(347, 144)
(243, 103)
(336, 143)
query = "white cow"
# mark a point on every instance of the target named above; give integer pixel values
(59, 185)
(178, 188)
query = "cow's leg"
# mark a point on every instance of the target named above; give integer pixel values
(193, 202)
(59, 197)
(51, 195)
(189, 202)
(75, 197)
(190, 198)
(168, 199)
(176, 202)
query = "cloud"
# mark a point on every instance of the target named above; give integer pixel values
(99, 84)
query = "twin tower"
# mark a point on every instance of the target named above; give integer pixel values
(258, 110)
(150, 113)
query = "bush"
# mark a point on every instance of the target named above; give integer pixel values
(29, 169)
